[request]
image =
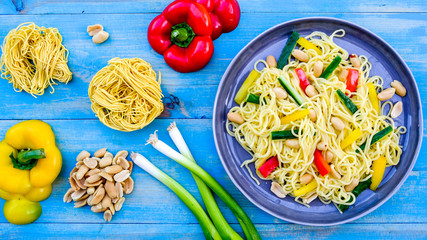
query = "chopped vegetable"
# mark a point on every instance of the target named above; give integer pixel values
(287, 50)
(252, 98)
(356, 191)
(207, 226)
(306, 189)
(269, 166)
(332, 66)
(352, 80)
(218, 219)
(303, 81)
(351, 138)
(321, 165)
(373, 97)
(291, 90)
(308, 45)
(243, 91)
(378, 166)
(246, 223)
(347, 101)
(378, 136)
(284, 134)
(294, 116)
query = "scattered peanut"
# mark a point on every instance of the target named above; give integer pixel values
(100, 183)
(318, 69)
(306, 178)
(343, 75)
(300, 55)
(352, 185)
(292, 143)
(280, 93)
(311, 91)
(271, 61)
(386, 94)
(322, 146)
(329, 156)
(337, 123)
(334, 173)
(312, 115)
(97, 33)
(235, 117)
(310, 198)
(277, 190)
(396, 110)
(400, 89)
(355, 61)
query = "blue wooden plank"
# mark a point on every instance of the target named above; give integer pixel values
(148, 199)
(193, 231)
(7, 7)
(276, 6)
(128, 39)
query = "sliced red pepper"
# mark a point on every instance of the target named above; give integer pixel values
(182, 33)
(269, 166)
(352, 80)
(303, 81)
(321, 164)
(225, 15)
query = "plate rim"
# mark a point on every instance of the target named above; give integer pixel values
(420, 121)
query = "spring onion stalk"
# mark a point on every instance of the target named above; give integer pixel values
(251, 232)
(218, 219)
(208, 227)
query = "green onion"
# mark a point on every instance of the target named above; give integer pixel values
(250, 232)
(347, 101)
(252, 98)
(287, 50)
(378, 136)
(334, 64)
(285, 134)
(218, 219)
(208, 228)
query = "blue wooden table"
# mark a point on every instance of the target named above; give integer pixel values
(152, 211)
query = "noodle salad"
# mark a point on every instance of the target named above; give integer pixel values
(315, 123)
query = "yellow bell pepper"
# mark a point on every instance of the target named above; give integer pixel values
(294, 116)
(29, 163)
(242, 94)
(352, 137)
(372, 93)
(306, 189)
(308, 45)
(378, 166)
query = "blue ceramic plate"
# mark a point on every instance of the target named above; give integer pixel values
(385, 63)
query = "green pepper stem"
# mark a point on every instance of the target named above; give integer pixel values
(26, 156)
(182, 35)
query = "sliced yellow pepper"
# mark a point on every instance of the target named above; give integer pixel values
(308, 45)
(351, 138)
(243, 91)
(378, 166)
(306, 189)
(372, 92)
(294, 116)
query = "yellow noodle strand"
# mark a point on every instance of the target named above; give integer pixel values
(126, 94)
(33, 57)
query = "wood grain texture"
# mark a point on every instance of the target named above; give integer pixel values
(152, 211)
(276, 6)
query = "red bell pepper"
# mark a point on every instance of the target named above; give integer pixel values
(225, 15)
(321, 164)
(269, 166)
(352, 79)
(303, 81)
(182, 33)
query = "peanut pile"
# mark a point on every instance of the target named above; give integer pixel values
(100, 181)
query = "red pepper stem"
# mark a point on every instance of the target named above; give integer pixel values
(182, 35)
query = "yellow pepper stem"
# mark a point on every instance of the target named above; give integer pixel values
(27, 159)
